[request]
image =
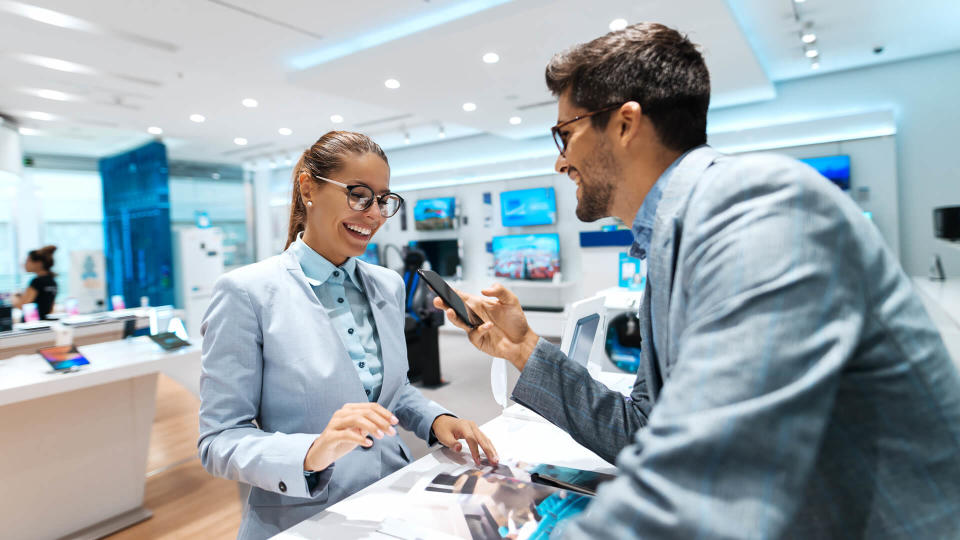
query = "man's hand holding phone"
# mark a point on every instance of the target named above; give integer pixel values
(504, 332)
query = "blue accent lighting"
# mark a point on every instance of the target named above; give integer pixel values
(833, 168)
(413, 25)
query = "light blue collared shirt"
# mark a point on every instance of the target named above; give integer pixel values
(643, 222)
(643, 225)
(342, 296)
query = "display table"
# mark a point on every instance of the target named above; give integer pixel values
(75, 444)
(515, 434)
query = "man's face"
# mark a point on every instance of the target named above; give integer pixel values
(588, 161)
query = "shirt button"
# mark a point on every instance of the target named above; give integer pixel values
(339, 300)
(368, 393)
(362, 364)
(283, 487)
(336, 273)
(350, 330)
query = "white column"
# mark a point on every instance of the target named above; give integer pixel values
(261, 203)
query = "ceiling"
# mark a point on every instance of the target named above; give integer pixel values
(144, 63)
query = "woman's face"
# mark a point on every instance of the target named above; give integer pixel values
(336, 229)
(32, 266)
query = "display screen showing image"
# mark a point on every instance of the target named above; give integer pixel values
(526, 256)
(522, 207)
(371, 255)
(63, 357)
(833, 168)
(434, 214)
(443, 255)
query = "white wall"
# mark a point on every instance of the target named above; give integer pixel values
(923, 95)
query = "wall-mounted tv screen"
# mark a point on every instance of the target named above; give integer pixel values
(526, 256)
(833, 168)
(537, 206)
(434, 214)
(371, 255)
(444, 255)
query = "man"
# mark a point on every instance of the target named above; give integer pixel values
(792, 384)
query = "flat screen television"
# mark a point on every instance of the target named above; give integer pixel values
(526, 256)
(371, 255)
(537, 206)
(833, 168)
(443, 255)
(434, 214)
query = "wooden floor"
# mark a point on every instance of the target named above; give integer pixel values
(186, 501)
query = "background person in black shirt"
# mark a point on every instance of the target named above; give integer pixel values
(43, 288)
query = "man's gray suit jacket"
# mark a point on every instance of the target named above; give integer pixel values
(791, 386)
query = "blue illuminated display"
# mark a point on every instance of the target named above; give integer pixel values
(833, 168)
(434, 214)
(522, 207)
(526, 256)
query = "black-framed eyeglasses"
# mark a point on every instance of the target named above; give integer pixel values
(361, 196)
(561, 139)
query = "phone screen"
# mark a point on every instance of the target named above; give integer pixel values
(451, 298)
(64, 357)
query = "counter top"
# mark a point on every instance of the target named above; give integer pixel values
(29, 376)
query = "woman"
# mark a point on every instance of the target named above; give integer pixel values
(42, 289)
(304, 359)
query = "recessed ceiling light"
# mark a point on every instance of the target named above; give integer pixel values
(55, 64)
(288, 162)
(55, 95)
(815, 65)
(37, 115)
(215, 176)
(198, 118)
(285, 131)
(28, 131)
(515, 120)
(249, 103)
(809, 37)
(392, 84)
(441, 134)
(240, 141)
(469, 107)
(336, 118)
(812, 53)
(799, 1)
(406, 138)
(154, 130)
(618, 24)
(491, 58)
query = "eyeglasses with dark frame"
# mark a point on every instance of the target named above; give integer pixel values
(361, 196)
(561, 140)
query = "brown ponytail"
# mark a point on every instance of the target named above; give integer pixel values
(325, 157)
(43, 256)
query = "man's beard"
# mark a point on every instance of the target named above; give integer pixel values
(596, 184)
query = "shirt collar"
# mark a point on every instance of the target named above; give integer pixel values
(316, 267)
(643, 222)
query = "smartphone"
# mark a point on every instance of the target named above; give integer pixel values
(451, 298)
(62, 358)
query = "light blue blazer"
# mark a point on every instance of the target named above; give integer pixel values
(275, 371)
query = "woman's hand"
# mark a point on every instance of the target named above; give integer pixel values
(349, 428)
(450, 430)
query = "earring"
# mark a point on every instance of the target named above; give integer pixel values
(309, 203)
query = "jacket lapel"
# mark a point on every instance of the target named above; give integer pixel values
(661, 262)
(341, 357)
(387, 332)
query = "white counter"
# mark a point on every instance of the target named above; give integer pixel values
(361, 514)
(75, 444)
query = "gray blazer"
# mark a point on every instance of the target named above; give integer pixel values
(792, 384)
(275, 371)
